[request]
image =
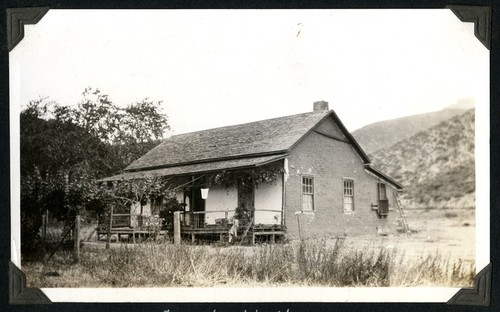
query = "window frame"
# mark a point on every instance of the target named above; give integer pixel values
(379, 188)
(312, 194)
(344, 180)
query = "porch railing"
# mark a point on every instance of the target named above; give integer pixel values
(223, 218)
(198, 219)
(276, 217)
(127, 220)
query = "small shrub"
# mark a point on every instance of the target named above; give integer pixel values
(451, 214)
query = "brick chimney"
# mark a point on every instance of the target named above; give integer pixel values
(320, 106)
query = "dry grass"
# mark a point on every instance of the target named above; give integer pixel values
(313, 262)
(439, 253)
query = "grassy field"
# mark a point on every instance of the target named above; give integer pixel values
(440, 252)
(319, 263)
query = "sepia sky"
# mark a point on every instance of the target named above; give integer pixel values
(215, 68)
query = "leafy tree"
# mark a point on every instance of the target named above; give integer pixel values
(64, 149)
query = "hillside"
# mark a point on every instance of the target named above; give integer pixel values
(436, 165)
(388, 132)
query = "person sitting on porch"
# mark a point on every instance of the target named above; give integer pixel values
(233, 231)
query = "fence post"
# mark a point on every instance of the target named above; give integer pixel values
(77, 238)
(177, 227)
(108, 239)
(44, 227)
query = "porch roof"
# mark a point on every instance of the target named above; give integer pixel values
(198, 168)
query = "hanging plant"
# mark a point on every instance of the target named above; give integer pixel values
(265, 174)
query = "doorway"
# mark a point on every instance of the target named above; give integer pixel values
(197, 205)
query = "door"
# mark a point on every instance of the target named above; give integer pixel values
(197, 205)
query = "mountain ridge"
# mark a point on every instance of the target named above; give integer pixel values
(435, 165)
(381, 134)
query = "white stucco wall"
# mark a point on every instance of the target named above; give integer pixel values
(146, 209)
(135, 209)
(268, 196)
(220, 199)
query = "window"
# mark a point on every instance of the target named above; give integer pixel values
(383, 203)
(307, 193)
(348, 195)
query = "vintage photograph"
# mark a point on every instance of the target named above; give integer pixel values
(250, 149)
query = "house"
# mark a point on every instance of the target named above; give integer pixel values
(312, 178)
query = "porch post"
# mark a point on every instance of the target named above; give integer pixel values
(142, 212)
(253, 205)
(192, 194)
(177, 227)
(253, 194)
(193, 202)
(283, 202)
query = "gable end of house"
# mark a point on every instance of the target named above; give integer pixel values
(342, 130)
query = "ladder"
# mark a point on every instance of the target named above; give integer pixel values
(402, 215)
(245, 233)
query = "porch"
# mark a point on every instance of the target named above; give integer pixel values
(196, 225)
(132, 226)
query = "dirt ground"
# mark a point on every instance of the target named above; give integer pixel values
(449, 232)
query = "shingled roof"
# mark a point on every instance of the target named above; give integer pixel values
(234, 147)
(266, 137)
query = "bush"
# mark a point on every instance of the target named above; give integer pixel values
(451, 214)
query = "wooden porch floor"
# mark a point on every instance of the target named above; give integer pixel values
(195, 229)
(222, 231)
(130, 232)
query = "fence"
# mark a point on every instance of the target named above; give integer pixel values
(117, 221)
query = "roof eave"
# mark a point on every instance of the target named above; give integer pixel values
(349, 136)
(284, 152)
(121, 177)
(384, 176)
